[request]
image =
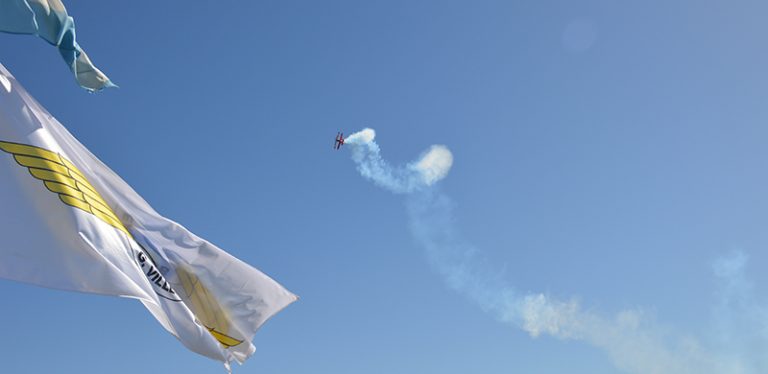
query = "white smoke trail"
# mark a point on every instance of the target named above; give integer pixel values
(635, 343)
(740, 320)
(431, 167)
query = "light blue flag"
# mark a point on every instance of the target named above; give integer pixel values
(49, 20)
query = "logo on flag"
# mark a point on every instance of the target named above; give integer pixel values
(62, 177)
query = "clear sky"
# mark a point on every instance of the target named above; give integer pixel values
(608, 152)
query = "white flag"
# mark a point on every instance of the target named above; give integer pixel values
(69, 222)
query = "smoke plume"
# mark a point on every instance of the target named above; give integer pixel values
(631, 338)
(431, 167)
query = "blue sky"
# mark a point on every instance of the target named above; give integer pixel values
(608, 152)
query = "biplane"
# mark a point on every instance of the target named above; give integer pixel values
(339, 140)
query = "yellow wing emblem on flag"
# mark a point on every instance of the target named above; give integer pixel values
(62, 177)
(205, 307)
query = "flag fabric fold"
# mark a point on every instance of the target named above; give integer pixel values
(49, 20)
(69, 222)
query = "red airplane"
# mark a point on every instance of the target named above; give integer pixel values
(339, 140)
